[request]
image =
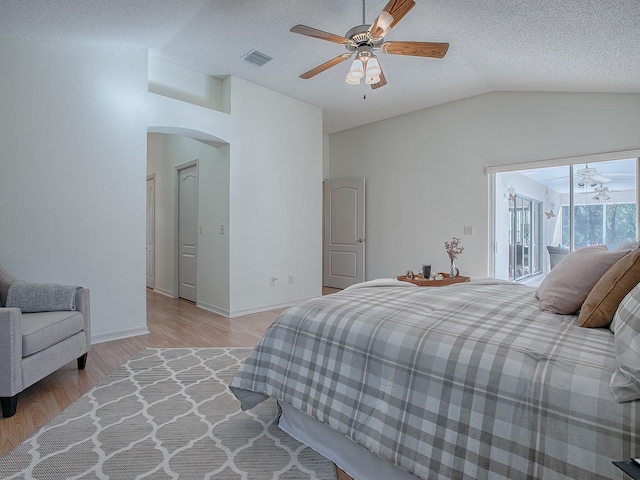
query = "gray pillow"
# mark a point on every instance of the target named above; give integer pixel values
(625, 381)
(566, 286)
(41, 297)
(6, 279)
(627, 246)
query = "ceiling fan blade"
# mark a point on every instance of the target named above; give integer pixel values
(619, 174)
(416, 49)
(600, 178)
(389, 17)
(325, 66)
(314, 32)
(381, 83)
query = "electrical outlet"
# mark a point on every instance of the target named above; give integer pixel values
(468, 229)
(272, 281)
(290, 278)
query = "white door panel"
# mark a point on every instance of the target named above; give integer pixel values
(344, 240)
(344, 264)
(188, 233)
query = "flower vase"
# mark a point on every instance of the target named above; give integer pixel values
(453, 272)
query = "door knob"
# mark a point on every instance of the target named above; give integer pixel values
(360, 240)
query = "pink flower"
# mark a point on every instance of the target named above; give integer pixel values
(453, 248)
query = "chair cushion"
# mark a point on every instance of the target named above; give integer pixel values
(41, 330)
(556, 254)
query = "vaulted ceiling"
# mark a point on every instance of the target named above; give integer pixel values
(495, 45)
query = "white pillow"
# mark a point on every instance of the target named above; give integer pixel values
(625, 381)
(627, 246)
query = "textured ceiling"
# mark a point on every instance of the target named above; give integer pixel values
(495, 45)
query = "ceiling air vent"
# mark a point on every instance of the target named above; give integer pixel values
(256, 58)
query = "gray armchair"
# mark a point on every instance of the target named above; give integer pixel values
(556, 254)
(34, 345)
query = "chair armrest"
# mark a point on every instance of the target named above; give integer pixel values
(10, 352)
(83, 305)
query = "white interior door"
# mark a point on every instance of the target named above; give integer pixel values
(188, 233)
(344, 241)
(151, 232)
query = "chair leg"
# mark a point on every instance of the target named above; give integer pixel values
(9, 405)
(82, 361)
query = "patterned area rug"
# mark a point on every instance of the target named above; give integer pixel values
(166, 414)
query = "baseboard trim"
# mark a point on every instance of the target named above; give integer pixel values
(118, 335)
(212, 308)
(164, 292)
(237, 313)
(266, 308)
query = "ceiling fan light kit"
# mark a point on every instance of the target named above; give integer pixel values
(351, 80)
(371, 80)
(357, 69)
(364, 66)
(364, 39)
(373, 67)
(602, 193)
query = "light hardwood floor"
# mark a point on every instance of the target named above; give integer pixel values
(171, 322)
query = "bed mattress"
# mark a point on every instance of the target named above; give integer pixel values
(466, 381)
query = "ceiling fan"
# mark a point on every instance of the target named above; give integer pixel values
(589, 176)
(602, 193)
(363, 40)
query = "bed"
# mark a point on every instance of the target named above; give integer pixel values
(471, 380)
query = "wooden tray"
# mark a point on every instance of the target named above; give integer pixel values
(447, 280)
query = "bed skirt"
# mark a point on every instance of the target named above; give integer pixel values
(353, 459)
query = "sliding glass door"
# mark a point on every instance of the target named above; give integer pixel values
(543, 214)
(525, 238)
(603, 207)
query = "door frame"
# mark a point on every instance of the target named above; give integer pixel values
(151, 231)
(176, 224)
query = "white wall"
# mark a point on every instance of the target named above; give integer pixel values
(273, 146)
(276, 198)
(164, 154)
(425, 170)
(176, 117)
(72, 171)
(177, 82)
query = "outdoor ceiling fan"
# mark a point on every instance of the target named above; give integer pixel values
(589, 176)
(602, 193)
(586, 177)
(363, 40)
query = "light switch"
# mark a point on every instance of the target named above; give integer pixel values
(468, 229)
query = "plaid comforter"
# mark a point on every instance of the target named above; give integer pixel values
(467, 381)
